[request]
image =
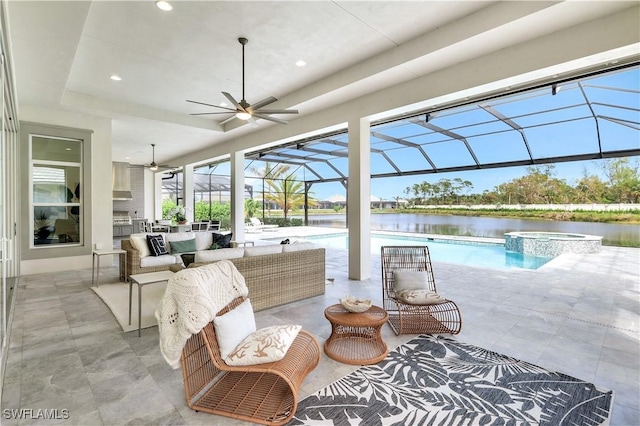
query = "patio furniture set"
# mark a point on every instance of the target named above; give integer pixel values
(265, 388)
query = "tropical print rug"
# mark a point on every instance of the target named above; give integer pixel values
(433, 380)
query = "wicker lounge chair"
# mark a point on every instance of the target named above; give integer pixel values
(262, 393)
(407, 318)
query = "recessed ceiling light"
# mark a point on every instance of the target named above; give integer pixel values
(164, 5)
(224, 104)
(301, 63)
(68, 149)
(116, 77)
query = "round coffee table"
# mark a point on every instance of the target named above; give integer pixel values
(355, 337)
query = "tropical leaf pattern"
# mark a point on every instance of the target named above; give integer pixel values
(436, 380)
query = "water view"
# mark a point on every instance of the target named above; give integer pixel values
(463, 253)
(488, 227)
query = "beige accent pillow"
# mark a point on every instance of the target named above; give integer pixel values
(232, 327)
(410, 280)
(262, 250)
(420, 297)
(140, 244)
(265, 345)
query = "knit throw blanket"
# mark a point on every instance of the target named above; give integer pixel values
(192, 299)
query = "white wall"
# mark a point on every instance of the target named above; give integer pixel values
(102, 210)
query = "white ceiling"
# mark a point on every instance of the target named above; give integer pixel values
(65, 52)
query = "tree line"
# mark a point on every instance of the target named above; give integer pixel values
(538, 186)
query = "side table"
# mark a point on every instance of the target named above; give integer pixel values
(142, 280)
(96, 255)
(355, 337)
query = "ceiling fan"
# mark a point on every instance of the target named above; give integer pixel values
(243, 109)
(154, 166)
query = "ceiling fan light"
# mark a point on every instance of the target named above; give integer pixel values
(243, 115)
(153, 168)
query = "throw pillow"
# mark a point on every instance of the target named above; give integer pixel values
(182, 246)
(420, 297)
(265, 345)
(410, 280)
(156, 245)
(188, 258)
(232, 327)
(221, 241)
(140, 244)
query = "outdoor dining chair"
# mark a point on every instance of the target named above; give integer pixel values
(413, 305)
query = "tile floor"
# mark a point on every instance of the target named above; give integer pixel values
(577, 315)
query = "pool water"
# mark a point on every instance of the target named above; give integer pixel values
(486, 255)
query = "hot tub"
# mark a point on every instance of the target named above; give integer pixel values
(551, 244)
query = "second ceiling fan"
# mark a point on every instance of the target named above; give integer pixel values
(243, 109)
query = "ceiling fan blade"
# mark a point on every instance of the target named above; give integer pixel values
(211, 105)
(266, 117)
(263, 102)
(277, 111)
(223, 122)
(231, 111)
(233, 101)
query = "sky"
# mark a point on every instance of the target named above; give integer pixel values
(539, 123)
(388, 188)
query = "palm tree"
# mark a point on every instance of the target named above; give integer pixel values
(283, 189)
(288, 194)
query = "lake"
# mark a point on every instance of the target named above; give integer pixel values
(613, 234)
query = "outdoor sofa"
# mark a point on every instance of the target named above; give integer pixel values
(275, 274)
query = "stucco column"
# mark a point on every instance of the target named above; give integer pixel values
(187, 191)
(358, 200)
(157, 191)
(237, 195)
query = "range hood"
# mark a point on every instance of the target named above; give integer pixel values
(121, 181)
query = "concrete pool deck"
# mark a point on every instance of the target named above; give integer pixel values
(578, 315)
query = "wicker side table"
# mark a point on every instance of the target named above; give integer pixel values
(355, 337)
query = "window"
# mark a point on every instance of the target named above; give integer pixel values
(56, 174)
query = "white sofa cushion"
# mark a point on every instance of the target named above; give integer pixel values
(203, 240)
(219, 254)
(261, 250)
(176, 236)
(165, 259)
(298, 246)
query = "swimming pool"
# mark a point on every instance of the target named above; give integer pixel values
(486, 255)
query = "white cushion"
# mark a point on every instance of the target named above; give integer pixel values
(298, 246)
(232, 327)
(265, 345)
(165, 259)
(203, 240)
(262, 250)
(409, 280)
(140, 244)
(219, 254)
(177, 236)
(420, 297)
